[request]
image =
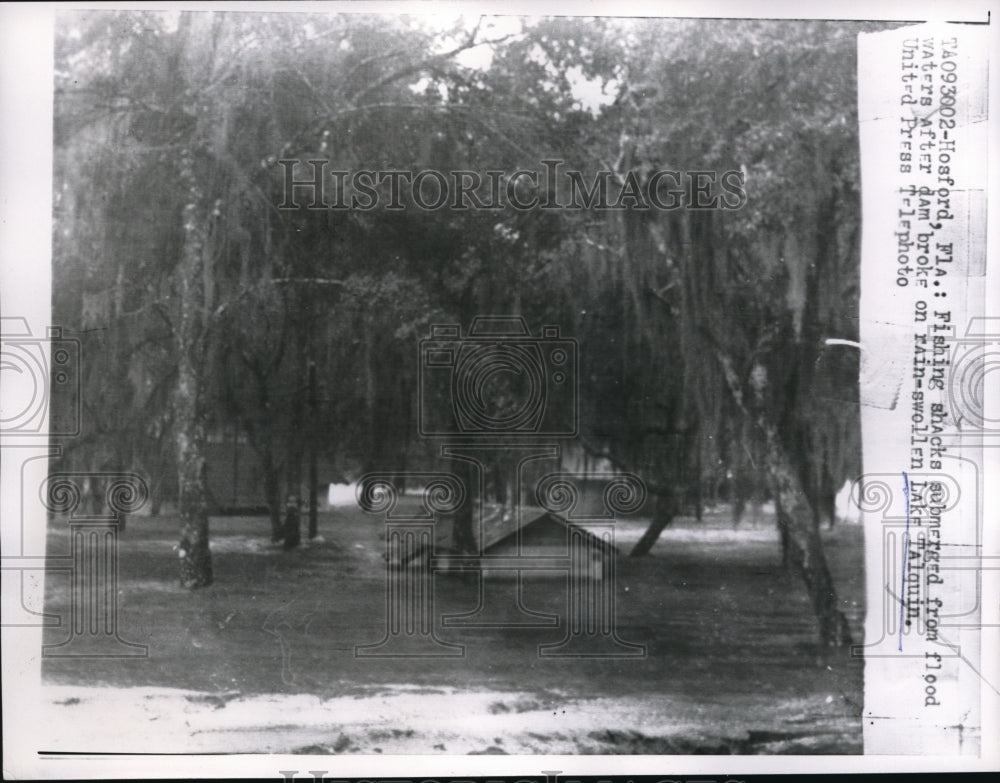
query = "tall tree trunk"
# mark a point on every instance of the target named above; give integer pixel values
(463, 535)
(293, 503)
(260, 434)
(272, 491)
(696, 483)
(803, 548)
(196, 559)
(800, 538)
(313, 467)
(663, 515)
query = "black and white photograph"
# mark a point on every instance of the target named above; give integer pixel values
(387, 386)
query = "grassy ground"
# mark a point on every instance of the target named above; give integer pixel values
(263, 661)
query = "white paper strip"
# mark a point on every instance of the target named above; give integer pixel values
(922, 108)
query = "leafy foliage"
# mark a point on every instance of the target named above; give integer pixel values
(655, 297)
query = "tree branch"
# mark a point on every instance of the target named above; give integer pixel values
(660, 490)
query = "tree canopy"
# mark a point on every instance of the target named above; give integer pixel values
(202, 302)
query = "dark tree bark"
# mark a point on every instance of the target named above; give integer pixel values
(259, 431)
(293, 532)
(803, 550)
(272, 490)
(195, 556)
(663, 515)
(664, 499)
(293, 523)
(313, 468)
(463, 535)
(800, 538)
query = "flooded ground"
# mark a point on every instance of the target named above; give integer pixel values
(265, 660)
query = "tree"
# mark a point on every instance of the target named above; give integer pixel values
(701, 330)
(195, 104)
(755, 290)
